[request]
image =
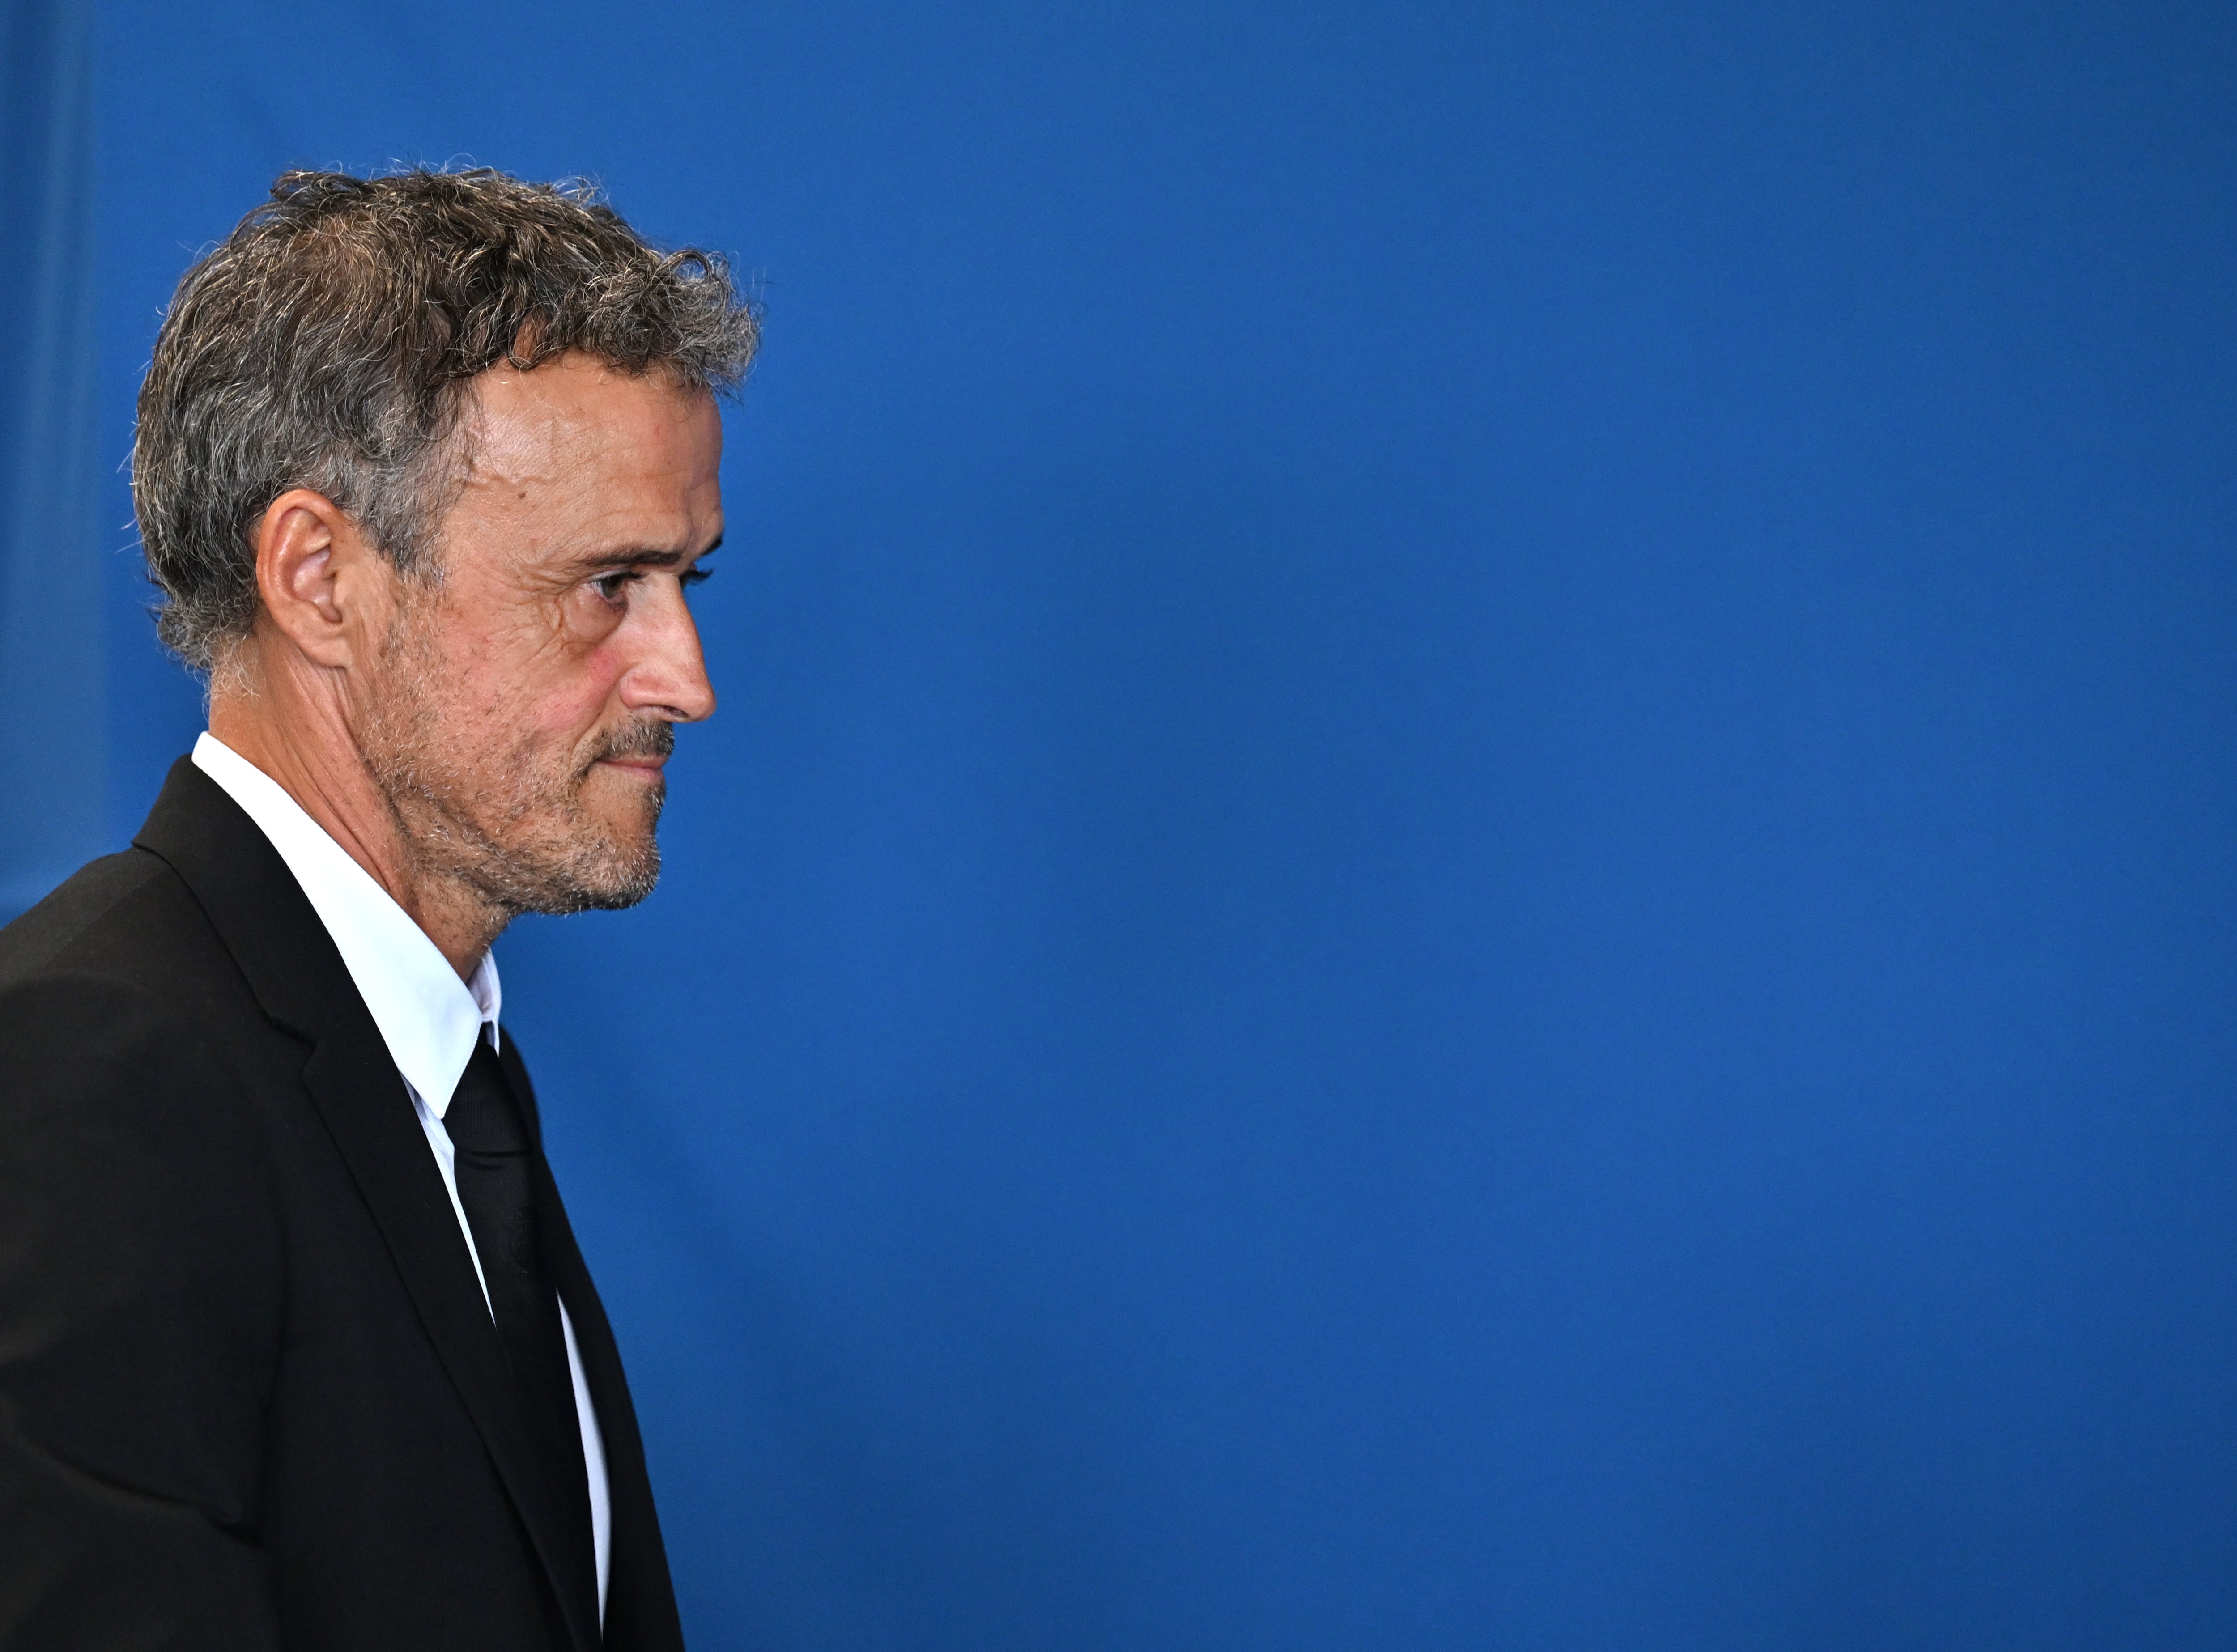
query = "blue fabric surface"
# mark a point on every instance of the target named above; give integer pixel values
(54, 742)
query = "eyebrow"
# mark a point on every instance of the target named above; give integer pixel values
(644, 557)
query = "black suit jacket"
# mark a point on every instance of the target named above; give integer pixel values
(250, 1396)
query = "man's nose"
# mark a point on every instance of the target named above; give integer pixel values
(668, 677)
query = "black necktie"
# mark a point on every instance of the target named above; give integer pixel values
(493, 1159)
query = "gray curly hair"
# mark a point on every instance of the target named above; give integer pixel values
(328, 342)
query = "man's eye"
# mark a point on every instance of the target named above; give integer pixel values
(611, 586)
(694, 577)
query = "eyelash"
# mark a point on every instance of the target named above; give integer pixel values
(620, 581)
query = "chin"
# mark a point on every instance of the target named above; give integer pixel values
(588, 858)
(624, 830)
(605, 878)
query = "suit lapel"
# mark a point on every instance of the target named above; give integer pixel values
(275, 935)
(358, 1093)
(640, 1615)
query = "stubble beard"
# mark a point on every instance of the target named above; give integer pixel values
(501, 819)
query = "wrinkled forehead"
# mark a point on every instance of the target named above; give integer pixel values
(573, 456)
(552, 421)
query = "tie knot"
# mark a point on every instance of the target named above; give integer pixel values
(482, 1118)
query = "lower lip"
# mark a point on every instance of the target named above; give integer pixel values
(643, 771)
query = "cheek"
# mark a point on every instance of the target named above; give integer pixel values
(515, 680)
(557, 699)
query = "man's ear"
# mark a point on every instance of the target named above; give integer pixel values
(314, 576)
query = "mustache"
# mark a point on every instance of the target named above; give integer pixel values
(654, 739)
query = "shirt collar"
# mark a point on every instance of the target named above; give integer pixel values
(429, 1018)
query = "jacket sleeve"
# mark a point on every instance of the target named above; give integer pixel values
(141, 1294)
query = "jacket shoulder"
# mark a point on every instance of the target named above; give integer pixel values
(128, 917)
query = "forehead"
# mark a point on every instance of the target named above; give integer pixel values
(574, 456)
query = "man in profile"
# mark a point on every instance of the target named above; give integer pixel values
(296, 1347)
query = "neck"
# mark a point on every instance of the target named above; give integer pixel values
(292, 722)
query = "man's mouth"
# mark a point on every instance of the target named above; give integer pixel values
(641, 748)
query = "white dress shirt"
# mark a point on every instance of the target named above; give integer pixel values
(428, 1017)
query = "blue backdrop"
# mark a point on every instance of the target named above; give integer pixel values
(1467, 878)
